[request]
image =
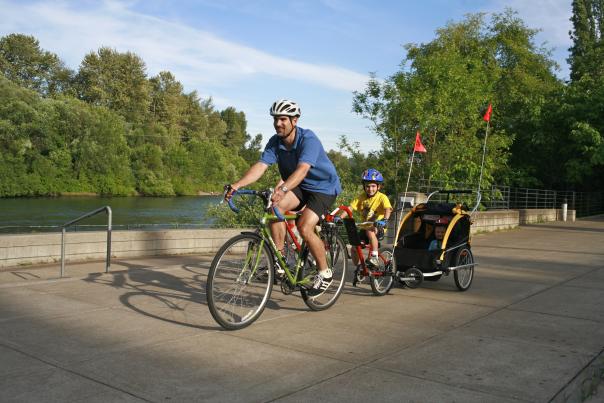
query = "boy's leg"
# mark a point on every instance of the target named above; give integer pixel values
(373, 257)
(371, 234)
(353, 254)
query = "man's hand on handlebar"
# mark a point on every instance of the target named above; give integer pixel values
(277, 196)
(229, 191)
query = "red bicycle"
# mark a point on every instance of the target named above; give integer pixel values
(381, 276)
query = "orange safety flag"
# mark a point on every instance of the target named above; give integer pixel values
(487, 115)
(419, 147)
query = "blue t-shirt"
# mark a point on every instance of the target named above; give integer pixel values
(321, 177)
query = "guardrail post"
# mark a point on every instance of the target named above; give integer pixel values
(73, 222)
(62, 251)
(108, 261)
(564, 210)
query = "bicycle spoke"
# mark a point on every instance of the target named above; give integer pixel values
(239, 282)
(336, 256)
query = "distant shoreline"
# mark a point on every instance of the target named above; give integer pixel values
(92, 194)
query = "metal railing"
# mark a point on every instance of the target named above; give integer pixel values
(506, 197)
(534, 198)
(493, 197)
(90, 214)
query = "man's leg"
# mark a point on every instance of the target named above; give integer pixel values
(316, 205)
(306, 226)
(289, 202)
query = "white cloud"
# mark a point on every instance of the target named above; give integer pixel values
(196, 57)
(551, 16)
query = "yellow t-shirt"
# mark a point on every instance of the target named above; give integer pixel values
(371, 208)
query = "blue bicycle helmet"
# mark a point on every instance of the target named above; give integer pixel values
(372, 175)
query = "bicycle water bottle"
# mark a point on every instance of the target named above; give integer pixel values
(296, 234)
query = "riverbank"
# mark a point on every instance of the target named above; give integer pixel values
(93, 194)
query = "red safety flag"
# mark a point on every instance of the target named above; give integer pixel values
(487, 115)
(419, 147)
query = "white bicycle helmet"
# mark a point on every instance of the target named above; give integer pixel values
(284, 107)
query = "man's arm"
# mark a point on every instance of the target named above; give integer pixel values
(252, 175)
(294, 180)
(297, 176)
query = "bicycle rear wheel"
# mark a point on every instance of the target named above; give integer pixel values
(380, 285)
(337, 259)
(240, 281)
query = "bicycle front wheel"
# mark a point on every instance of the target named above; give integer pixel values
(240, 281)
(337, 259)
(382, 283)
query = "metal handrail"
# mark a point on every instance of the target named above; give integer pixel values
(90, 214)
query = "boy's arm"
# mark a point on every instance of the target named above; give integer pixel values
(353, 206)
(387, 213)
(344, 214)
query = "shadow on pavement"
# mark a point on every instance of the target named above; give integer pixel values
(170, 291)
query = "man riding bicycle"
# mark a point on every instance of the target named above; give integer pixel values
(308, 179)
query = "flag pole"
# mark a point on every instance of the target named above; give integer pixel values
(408, 176)
(398, 223)
(396, 168)
(487, 118)
(484, 149)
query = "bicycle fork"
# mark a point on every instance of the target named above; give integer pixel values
(252, 258)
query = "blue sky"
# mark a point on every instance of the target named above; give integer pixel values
(248, 53)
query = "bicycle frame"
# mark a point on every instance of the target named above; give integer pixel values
(359, 248)
(267, 237)
(263, 231)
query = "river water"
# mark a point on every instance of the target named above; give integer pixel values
(49, 213)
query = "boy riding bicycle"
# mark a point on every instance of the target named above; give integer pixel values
(373, 206)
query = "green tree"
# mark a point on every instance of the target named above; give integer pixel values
(23, 62)
(235, 135)
(60, 145)
(169, 105)
(579, 146)
(149, 171)
(253, 148)
(587, 52)
(216, 128)
(443, 89)
(529, 89)
(117, 81)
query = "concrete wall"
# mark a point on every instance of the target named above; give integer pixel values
(29, 249)
(18, 250)
(529, 216)
(487, 221)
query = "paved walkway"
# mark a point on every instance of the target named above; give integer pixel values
(530, 329)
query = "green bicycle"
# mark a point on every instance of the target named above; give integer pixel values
(242, 274)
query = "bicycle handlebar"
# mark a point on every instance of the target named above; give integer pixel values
(278, 213)
(265, 195)
(366, 224)
(239, 192)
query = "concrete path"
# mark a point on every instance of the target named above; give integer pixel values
(530, 329)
